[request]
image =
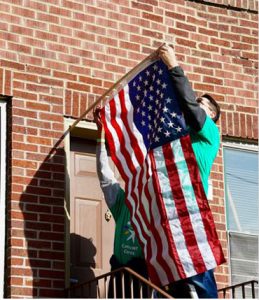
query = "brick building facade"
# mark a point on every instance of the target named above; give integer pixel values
(57, 57)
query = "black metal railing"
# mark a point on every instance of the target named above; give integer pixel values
(121, 283)
(242, 290)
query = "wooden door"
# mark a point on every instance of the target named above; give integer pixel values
(91, 236)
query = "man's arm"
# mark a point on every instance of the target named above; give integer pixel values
(108, 182)
(194, 115)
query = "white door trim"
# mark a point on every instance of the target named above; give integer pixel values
(3, 146)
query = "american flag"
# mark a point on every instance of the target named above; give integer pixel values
(151, 147)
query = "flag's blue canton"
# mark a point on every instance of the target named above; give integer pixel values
(156, 111)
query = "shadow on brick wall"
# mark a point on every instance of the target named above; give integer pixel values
(42, 207)
(37, 244)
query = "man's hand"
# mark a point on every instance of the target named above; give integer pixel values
(167, 54)
(98, 121)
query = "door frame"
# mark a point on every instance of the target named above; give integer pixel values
(3, 147)
(84, 129)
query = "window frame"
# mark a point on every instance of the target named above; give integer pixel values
(242, 146)
(237, 146)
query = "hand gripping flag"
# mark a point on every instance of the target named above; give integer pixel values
(151, 147)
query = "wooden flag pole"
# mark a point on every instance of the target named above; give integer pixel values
(113, 87)
(153, 55)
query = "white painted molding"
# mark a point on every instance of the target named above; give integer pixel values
(241, 146)
(81, 124)
(3, 146)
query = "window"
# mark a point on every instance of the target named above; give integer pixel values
(241, 194)
(2, 190)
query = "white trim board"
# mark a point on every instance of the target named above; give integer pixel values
(240, 146)
(82, 124)
(2, 192)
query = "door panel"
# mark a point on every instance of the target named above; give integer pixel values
(91, 236)
(85, 210)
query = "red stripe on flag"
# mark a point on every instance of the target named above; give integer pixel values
(133, 140)
(156, 235)
(164, 223)
(139, 207)
(139, 156)
(182, 210)
(111, 143)
(125, 153)
(121, 137)
(202, 201)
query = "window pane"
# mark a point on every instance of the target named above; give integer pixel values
(241, 190)
(243, 259)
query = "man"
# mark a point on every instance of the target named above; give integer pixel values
(127, 251)
(200, 115)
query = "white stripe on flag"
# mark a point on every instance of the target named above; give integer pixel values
(131, 123)
(141, 145)
(155, 217)
(129, 175)
(192, 206)
(126, 169)
(131, 189)
(172, 214)
(131, 151)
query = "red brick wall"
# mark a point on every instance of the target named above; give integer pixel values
(57, 58)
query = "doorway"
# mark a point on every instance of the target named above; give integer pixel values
(90, 236)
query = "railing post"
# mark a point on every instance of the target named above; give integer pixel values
(243, 291)
(113, 285)
(80, 292)
(150, 292)
(132, 287)
(105, 287)
(140, 289)
(253, 289)
(224, 293)
(98, 289)
(123, 284)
